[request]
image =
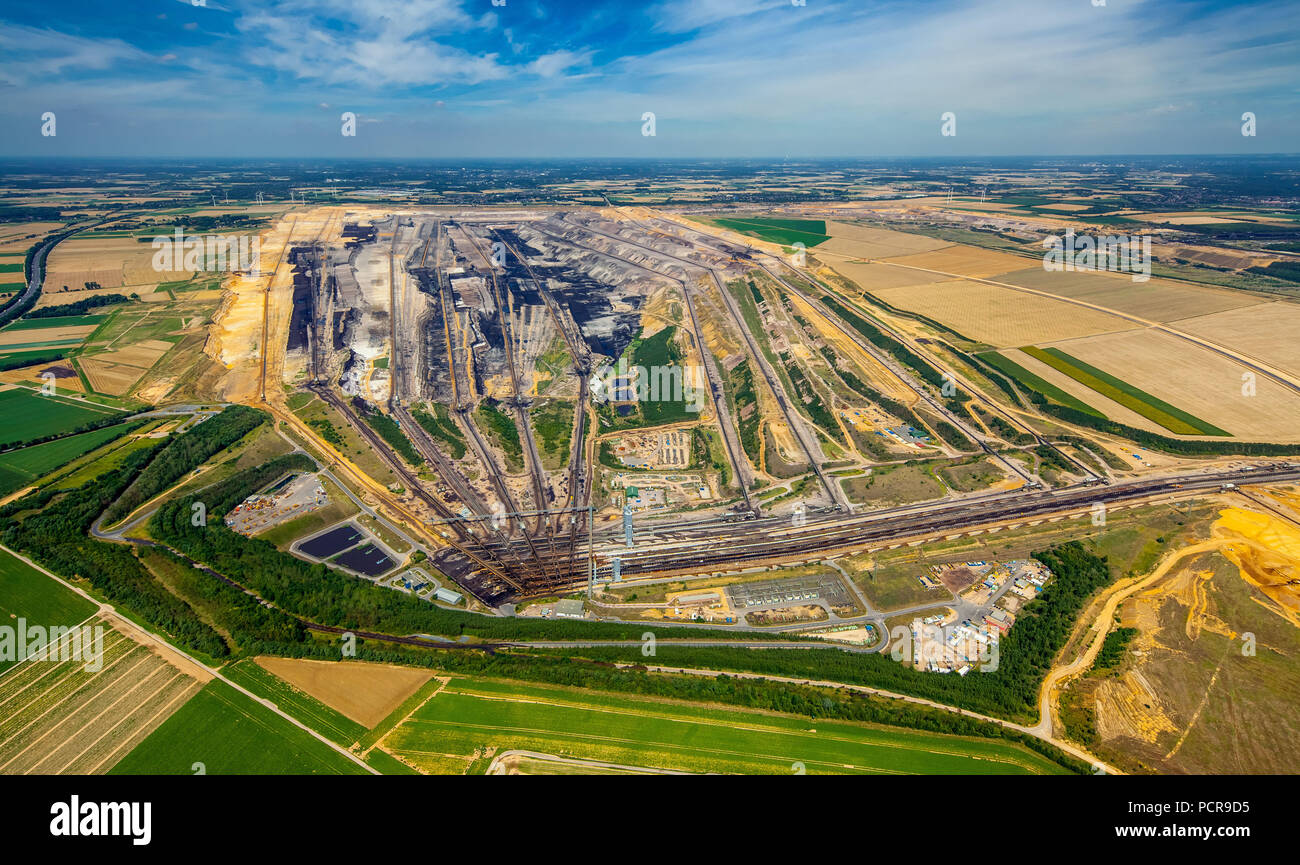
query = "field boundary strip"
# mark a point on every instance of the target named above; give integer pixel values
(1152, 408)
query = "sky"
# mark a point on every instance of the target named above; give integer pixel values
(722, 78)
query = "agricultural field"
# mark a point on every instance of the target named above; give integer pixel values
(17, 340)
(1154, 300)
(363, 693)
(862, 241)
(20, 467)
(961, 260)
(255, 676)
(1265, 332)
(118, 264)
(874, 276)
(60, 718)
(27, 593)
(1200, 382)
(104, 459)
(116, 372)
(467, 721)
(55, 321)
(1017, 371)
(26, 414)
(1001, 317)
(17, 237)
(1171, 418)
(809, 232)
(230, 734)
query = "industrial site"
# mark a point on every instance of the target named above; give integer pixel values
(479, 388)
(855, 428)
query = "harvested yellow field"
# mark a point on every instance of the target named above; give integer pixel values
(62, 719)
(142, 354)
(1266, 332)
(873, 276)
(860, 241)
(1154, 300)
(19, 236)
(1193, 217)
(1001, 316)
(366, 693)
(113, 262)
(1194, 379)
(965, 261)
(45, 334)
(110, 378)
(1213, 255)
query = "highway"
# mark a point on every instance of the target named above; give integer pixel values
(32, 290)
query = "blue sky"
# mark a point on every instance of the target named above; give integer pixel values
(740, 78)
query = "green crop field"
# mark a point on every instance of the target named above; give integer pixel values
(331, 724)
(100, 462)
(1173, 419)
(20, 467)
(25, 415)
(27, 593)
(1027, 379)
(809, 232)
(55, 321)
(471, 714)
(231, 735)
(16, 359)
